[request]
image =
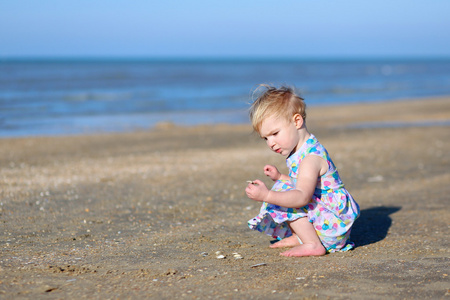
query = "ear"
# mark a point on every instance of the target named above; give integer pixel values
(298, 121)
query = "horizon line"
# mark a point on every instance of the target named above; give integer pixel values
(229, 58)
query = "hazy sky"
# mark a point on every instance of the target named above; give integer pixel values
(244, 28)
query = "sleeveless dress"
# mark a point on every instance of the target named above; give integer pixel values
(332, 210)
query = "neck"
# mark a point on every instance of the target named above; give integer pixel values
(303, 136)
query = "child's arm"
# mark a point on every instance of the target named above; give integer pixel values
(310, 169)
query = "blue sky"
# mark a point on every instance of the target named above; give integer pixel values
(246, 28)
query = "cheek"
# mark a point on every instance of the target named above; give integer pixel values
(280, 140)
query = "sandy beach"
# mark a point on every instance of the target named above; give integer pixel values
(144, 214)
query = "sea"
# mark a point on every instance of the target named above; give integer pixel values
(51, 97)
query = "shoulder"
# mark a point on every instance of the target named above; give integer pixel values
(314, 164)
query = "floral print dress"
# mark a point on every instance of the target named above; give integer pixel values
(332, 209)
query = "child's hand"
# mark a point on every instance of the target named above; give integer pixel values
(272, 172)
(257, 190)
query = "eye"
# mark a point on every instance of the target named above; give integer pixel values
(275, 133)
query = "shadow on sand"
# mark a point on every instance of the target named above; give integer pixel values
(372, 225)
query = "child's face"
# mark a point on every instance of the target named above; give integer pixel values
(281, 135)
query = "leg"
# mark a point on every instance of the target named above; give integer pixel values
(311, 243)
(291, 241)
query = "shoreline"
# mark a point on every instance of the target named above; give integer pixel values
(240, 117)
(142, 214)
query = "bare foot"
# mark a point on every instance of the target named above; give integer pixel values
(306, 250)
(291, 241)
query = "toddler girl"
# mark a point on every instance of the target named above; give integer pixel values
(309, 209)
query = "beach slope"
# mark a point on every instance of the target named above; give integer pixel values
(142, 215)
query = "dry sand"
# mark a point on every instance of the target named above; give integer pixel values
(141, 215)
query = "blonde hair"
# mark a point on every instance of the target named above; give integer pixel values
(279, 102)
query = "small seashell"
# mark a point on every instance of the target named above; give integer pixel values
(237, 256)
(218, 252)
(220, 256)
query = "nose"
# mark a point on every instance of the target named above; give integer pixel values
(270, 143)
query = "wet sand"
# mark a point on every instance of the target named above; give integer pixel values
(142, 215)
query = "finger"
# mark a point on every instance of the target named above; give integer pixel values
(258, 182)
